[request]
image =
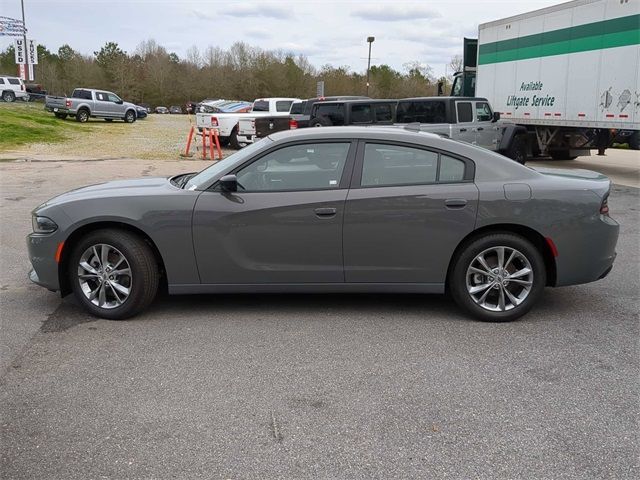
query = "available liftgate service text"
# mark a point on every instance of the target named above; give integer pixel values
(525, 101)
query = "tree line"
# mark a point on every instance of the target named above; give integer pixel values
(151, 74)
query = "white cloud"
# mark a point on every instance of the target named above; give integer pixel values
(395, 12)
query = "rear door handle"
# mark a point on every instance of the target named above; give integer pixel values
(325, 212)
(455, 202)
(480, 129)
(463, 129)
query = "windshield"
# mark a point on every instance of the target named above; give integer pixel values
(206, 175)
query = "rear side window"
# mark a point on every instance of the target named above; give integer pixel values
(389, 165)
(283, 105)
(1, 81)
(465, 113)
(383, 112)
(297, 108)
(14, 81)
(333, 112)
(102, 96)
(83, 94)
(361, 113)
(423, 111)
(260, 106)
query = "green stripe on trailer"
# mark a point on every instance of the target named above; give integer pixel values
(618, 32)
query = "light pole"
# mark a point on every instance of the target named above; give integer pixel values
(369, 41)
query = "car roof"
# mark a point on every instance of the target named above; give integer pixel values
(442, 98)
(360, 100)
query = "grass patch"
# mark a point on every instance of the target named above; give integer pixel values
(25, 123)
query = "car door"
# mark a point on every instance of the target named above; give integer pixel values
(102, 105)
(115, 106)
(284, 224)
(465, 129)
(487, 132)
(407, 210)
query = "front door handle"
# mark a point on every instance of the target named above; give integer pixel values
(463, 129)
(455, 203)
(480, 129)
(325, 212)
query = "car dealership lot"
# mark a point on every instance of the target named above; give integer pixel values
(330, 386)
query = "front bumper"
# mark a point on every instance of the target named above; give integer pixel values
(42, 254)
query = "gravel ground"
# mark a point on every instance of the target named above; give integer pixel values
(154, 138)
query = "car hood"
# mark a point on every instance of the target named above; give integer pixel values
(116, 188)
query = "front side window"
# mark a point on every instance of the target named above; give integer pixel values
(316, 166)
(333, 112)
(283, 105)
(383, 113)
(389, 165)
(483, 112)
(113, 98)
(465, 113)
(361, 113)
(422, 111)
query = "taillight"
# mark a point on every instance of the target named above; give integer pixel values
(293, 124)
(604, 206)
(68, 103)
(214, 122)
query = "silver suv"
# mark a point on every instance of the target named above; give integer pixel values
(12, 88)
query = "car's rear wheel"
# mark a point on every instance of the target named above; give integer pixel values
(113, 273)
(497, 277)
(518, 149)
(8, 96)
(83, 115)
(234, 142)
(130, 116)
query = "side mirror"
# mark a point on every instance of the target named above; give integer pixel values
(119, 102)
(496, 116)
(229, 183)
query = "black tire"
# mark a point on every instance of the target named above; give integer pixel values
(108, 119)
(457, 279)
(8, 96)
(233, 139)
(61, 116)
(320, 122)
(130, 116)
(561, 155)
(634, 141)
(144, 279)
(82, 116)
(224, 141)
(518, 149)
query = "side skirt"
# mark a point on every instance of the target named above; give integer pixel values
(308, 288)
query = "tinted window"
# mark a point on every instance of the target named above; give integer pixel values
(283, 105)
(83, 94)
(423, 111)
(1, 81)
(383, 113)
(298, 167)
(260, 106)
(297, 108)
(14, 81)
(333, 112)
(483, 112)
(361, 113)
(465, 113)
(451, 169)
(397, 165)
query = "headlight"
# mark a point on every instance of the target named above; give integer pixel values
(43, 224)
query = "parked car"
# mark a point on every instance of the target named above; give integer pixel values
(86, 103)
(12, 88)
(227, 124)
(301, 111)
(35, 91)
(348, 209)
(352, 112)
(146, 106)
(175, 109)
(162, 110)
(224, 106)
(141, 112)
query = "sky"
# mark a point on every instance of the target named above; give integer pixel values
(327, 32)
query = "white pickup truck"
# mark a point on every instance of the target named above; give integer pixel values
(228, 126)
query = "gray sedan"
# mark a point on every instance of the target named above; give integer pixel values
(345, 209)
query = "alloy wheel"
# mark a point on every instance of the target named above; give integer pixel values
(499, 279)
(104, 275)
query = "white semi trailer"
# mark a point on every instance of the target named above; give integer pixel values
(569, 73)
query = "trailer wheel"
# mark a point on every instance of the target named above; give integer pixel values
(562, 155)
(518, 149)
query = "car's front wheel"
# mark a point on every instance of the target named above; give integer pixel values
(130, 116)
(497, 277)
(113, 273)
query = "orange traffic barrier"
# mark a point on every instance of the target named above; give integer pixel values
(204, 143)
(189, 139)
(211, 143)
(217, 140)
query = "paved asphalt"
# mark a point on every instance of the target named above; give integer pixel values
(303, 386)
